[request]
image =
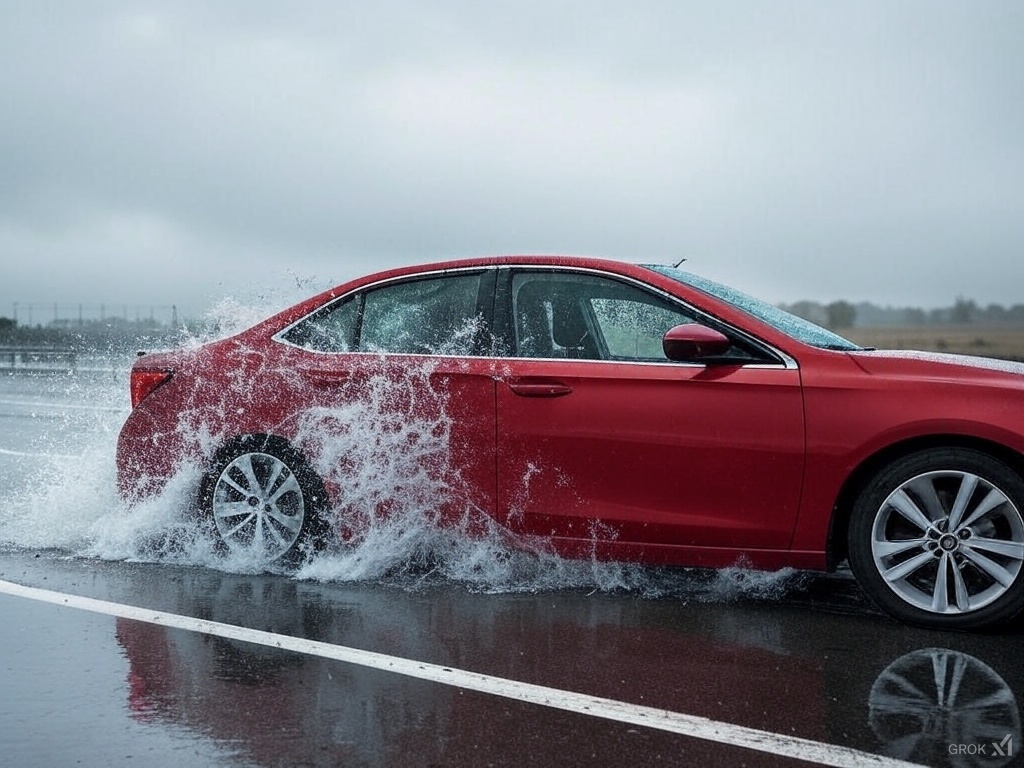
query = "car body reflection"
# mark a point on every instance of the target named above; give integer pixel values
(276, 707)
(859, 686)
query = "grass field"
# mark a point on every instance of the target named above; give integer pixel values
(1006, 342)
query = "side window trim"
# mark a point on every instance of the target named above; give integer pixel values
(503, 323)
(485, 342)
(357, 334)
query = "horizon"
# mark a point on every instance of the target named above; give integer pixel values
(34, 314)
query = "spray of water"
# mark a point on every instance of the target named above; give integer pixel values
(386, 452)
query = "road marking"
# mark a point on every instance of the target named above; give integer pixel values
(608, 709)
(23, 454)
(52, 405)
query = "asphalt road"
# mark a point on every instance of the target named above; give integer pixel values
(813, 667)
(187, 665)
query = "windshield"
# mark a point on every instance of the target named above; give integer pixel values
(791, 325)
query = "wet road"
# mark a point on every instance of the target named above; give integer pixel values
(736, 668)
(79, 688)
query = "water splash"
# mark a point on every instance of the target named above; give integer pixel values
(388, 452)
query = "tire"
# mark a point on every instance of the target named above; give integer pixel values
(264, 502)
(937, 539)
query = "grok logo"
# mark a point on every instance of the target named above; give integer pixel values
(1002, 748)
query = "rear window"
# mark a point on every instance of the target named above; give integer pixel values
(433, 316)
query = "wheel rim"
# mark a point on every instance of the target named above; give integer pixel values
(258, 506)
(929, 699)
(948, 542)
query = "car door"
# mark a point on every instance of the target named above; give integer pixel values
(602, 439)
(400, 395)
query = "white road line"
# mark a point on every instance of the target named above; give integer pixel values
(64, 406)
(608, 709)
(7, 452)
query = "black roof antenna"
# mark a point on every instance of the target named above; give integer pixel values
(676, 265)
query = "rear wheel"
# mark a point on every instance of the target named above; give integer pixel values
(264, 500)
(937, 539)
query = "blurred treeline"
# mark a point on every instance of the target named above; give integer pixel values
(113, 334)
(864, 320)
(965, 327)
(840, 315)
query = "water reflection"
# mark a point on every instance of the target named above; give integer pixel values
(276, 707)
(942, 707)
(843, 680)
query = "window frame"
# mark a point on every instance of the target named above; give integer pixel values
(505, 322)
(483, 344)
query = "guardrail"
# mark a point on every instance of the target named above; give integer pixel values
(37, 360)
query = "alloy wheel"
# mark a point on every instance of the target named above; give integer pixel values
(948, 542)
(258, 506)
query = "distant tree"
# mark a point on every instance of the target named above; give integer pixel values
(915, 316)
(963, 311)
(841, 314)
(809, 310)
(995, 313)
(7, 324)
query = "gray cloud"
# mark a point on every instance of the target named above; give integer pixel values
(175, 152)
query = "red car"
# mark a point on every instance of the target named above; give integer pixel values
(604, 409)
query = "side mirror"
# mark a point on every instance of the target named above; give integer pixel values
(690, 342)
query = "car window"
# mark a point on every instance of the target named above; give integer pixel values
(583, 316)
(634, 329)
(331, 329)
(428, 316)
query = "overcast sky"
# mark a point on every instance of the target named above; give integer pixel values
(180, 152)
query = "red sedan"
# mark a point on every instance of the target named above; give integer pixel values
(604, 410)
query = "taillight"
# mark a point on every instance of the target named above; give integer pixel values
(145, 381)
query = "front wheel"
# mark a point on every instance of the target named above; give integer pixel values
(937, 539)
(264, 500)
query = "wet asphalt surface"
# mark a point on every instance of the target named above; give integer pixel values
(812, 660)
(80, 688)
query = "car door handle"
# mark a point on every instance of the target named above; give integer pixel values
(537, 386)
(326, 377)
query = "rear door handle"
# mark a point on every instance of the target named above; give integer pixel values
(538, 386)
(322, 377)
